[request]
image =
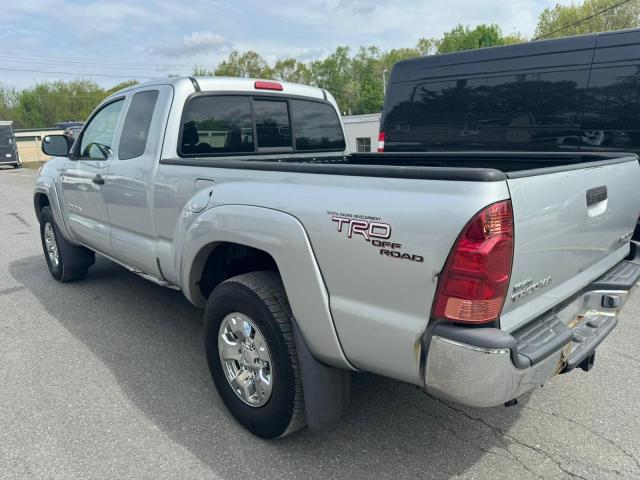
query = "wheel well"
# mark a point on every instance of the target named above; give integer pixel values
(40, 200)
(227, 260)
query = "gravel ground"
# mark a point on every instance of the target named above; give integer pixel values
(107, 378)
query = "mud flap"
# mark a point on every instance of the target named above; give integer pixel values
(327, 390)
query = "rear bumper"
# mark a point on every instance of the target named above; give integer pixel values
(485, 367)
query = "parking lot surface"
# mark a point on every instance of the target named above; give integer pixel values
(106, 378)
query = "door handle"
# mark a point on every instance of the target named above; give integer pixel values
(98, 180)
(596, 195)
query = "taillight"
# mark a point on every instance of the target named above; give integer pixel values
(381, 142)
(474, 282)
(261, 85)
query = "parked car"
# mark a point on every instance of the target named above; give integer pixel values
(477, 276)
(8, 150)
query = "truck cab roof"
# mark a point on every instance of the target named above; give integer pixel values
(234, 84)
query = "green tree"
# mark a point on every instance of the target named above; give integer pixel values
(8, 99)
(465, 38)
(48, 103)
(552, 21)
(202, 72)
(334, 73)
(121, 86)
(367, 70)
(291, 70)
(248, 64)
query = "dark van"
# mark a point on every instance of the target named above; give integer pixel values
(8, 149)
(574, 93)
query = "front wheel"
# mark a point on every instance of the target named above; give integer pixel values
(66, 262)
(252, 356)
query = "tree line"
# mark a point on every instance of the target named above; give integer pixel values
(355, 78)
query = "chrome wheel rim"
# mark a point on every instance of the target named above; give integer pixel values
(246, 361)
(51, 245)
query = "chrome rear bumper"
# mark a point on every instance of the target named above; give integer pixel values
(485, 367)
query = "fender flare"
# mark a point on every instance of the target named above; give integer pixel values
(284, 238)
(46, 185)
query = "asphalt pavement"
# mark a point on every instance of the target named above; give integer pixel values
(106, 378)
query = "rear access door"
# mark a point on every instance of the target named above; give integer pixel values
(572, 224)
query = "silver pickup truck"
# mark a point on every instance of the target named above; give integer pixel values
(475, 275)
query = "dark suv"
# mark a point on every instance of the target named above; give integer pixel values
(8, 149)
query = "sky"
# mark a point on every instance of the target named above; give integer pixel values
(112, 41)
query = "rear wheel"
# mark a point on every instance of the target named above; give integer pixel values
(17, 165)
(252, 356)
(66, 262)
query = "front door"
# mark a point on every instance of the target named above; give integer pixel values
(85, 175)
(130, 183)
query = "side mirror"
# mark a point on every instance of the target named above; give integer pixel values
(55, 145)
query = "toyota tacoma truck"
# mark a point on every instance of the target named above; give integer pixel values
(477, 276)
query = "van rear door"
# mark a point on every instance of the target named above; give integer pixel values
(571, 226)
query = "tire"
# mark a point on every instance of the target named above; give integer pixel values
(17, 165)
(66, 262)
(259, 297)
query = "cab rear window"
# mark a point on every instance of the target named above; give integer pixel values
(219, 125)
(316, 126)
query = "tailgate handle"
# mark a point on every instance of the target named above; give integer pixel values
(596, 195)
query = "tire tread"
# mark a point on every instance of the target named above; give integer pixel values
(269, 288)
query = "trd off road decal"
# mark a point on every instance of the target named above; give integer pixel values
(374, 231)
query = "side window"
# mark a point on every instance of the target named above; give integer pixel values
(316, 126)
(98, 136)
(363, 144)
(217, 124)
(272, 123)
(135, 131)
(556, 98)
(611, 115)
(614, 103)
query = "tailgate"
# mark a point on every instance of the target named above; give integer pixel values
(570, 228)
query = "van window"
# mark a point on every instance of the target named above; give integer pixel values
(612, 117)
(316, 126)
(217, 124)
(614, 98)
(531, 109)
(273, 127)
(135, 131)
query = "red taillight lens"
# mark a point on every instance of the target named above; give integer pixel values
(474, 282)
(259, 85)
(381, 142)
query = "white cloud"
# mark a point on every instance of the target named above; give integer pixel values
(196, 43)
(154, 37)
(378, 19)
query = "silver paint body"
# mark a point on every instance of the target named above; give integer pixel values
(355, 308)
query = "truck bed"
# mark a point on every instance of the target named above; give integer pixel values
(514, 164)
(462, 166)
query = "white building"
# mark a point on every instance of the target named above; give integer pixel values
(362, 132)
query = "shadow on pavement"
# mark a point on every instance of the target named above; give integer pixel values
(150, 339)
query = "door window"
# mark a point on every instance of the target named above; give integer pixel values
(135, 131)
(98, 136)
